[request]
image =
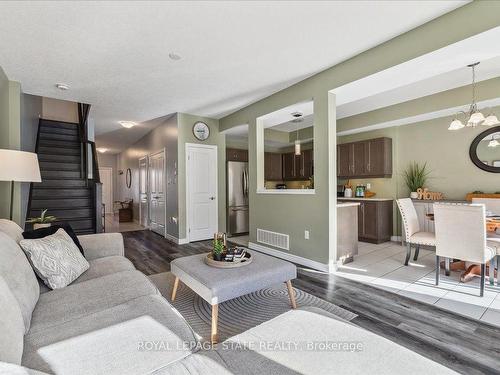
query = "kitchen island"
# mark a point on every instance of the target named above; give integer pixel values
(374, 218)
(347, 231)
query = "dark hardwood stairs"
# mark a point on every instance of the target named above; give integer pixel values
(63, 190)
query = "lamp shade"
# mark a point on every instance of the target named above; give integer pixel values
(19, 166)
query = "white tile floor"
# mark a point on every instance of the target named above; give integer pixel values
(382, 267)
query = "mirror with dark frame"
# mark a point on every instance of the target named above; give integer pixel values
(485, 150)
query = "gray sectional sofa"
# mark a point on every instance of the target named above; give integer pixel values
(112, 320)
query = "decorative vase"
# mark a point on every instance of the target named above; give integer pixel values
(413, 195)
(38, 225)
(218, 257)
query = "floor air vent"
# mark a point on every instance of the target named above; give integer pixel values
(279, 240)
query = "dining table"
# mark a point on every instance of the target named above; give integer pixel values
(492, 237)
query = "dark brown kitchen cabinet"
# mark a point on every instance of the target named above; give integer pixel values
(306, 164)
(234, 154)
(368, 158)
(344, 159)
(374, 220)
(298, 167)
(289, 166)
(273, 166)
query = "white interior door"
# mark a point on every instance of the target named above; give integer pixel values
(143, 192)
(157, 192)
(106, 175)
(201, 194)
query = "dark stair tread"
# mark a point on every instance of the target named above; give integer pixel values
(50, 150)
(57, 130)
(59, 158)
(58, 124)
(58, 137)
(58, 143)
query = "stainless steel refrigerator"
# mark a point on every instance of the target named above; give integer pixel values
(237, 197)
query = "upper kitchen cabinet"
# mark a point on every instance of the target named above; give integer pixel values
(234, 154)
(273, 166)
(368, 158)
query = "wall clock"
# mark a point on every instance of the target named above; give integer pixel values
(201, 130)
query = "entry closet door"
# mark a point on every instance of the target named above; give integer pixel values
(157, 192)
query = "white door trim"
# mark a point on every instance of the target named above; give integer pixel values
(190, 146)
(146, 157)
(111, 190)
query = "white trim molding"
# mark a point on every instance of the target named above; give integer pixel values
(293, 258)
(178, 241)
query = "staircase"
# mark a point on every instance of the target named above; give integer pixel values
(65, 190)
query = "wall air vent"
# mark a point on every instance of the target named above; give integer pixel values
(278, 240)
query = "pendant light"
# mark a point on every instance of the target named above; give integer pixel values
(298, 119)
(473, 117)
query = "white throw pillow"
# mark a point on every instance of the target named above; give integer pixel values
(55, 258)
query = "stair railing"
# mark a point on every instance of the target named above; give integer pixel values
(89, 163)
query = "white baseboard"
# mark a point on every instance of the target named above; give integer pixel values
(292, 258)
(178, 241)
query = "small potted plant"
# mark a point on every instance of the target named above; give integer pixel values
(43, 221)
(218, 249)
(415, 177)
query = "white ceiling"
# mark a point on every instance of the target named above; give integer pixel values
(114, 55)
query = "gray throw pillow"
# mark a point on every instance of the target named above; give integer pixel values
(55, 258)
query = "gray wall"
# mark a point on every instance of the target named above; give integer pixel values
(31, 110)
(164, 135)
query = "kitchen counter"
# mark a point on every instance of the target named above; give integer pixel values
(347, 204)
(374, 199)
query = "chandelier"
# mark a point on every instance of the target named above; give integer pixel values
(473, 117)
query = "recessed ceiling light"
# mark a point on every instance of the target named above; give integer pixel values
(174, 56)
(102, 150)
(127, 124)
(62, 86)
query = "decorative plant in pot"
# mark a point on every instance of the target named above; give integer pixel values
(218, 249)
(42, 221)
(415, 177)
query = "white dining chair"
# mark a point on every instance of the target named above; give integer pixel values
(461, 234)
(413, 234)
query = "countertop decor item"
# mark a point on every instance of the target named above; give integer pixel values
(415, 177)
(42, 221)
(18, 166)
(425, 194)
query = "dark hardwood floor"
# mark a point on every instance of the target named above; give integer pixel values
(465, 345)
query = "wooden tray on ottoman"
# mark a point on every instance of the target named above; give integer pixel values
(247, 259)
